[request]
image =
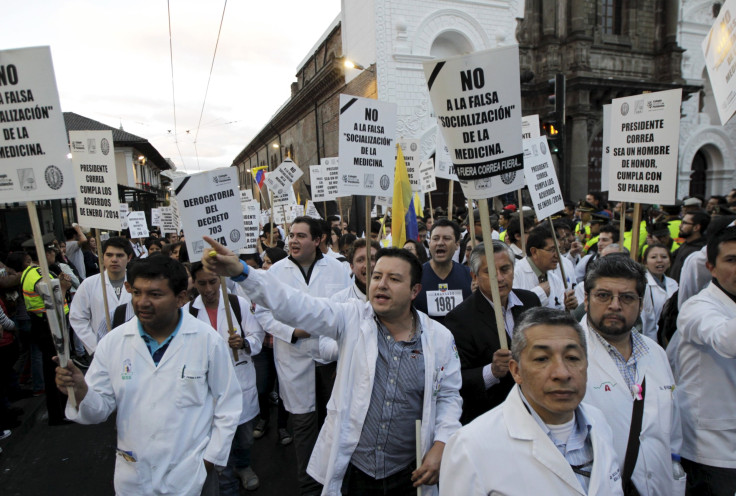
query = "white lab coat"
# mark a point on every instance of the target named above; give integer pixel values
(525, 278)
(353, 325)
(566, 264)
(171, 417)
(707, 390)
(244, 368)
(328, 350)
(654, 300)
(87, 310)
(694, 276)
(582, 265)
(505, 452)
(660, 428)
(295, 362)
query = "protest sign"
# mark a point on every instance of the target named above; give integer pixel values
(445, 169)
(645, 131)
(331, 171)
(251, 213)
(426, 174)
(281, 179)
(318, 181)
(33, 143)
(124, 215)
(137, 225)
(169, 220)
(265, 217)
(478, 108)
(93, 159)
(719, 48)
(246, 195)
(530, 127)
(367, 146)
(311, 211)
(606, 147)
(156, 217)
(287, 197)
(539, 170)
(293, 212)
(384, 201)
(411, 151)
(206, 201)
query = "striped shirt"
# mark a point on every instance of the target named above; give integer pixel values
(627, 368)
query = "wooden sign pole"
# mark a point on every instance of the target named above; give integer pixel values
(622, 232)
(635, 232)
(471, 223)
(491, 265)
(368, 240)
(100, 261)
(449, 202)
(557, 249)
(273, 219)
(230, 327)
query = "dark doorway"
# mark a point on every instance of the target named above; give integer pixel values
(697, 177)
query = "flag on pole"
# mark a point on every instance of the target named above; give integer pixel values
(259, 175)
(404, 217)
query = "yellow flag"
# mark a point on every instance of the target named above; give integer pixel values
(401, 200)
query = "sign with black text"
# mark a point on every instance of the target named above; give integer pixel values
(281, 179)
(156, 217)
(318, 183)
(251, 215)
(541, 177)
(331, 171)
(169, 220)
(426, 174)
(530, 127)
(137, 225)
(410, 150)
(719, 48)
(444, 169)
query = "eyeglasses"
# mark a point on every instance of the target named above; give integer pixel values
(549, 249)
(604, 297)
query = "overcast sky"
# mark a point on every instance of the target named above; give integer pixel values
(112, 64)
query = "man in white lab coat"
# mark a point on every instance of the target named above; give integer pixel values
(87, 311)
(541, 440)
(245, 340)
(706, 360)
(396, 366)
(171, 379)
(307, 270)
(619, 361)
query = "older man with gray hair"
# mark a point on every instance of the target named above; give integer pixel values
(541, 440)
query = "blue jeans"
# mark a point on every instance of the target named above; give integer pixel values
(239, 459)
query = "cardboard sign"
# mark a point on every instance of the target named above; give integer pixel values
(124, 211)
(426, 174)
(367, 146)
(208, 205)
(411, 152)
(156, 217)
(539, 170)
(645, 132)
(169, 220)
(478, 108)
(331, 170)
(93, 159)
(606, 148)
(719, 48)
(251, 215)
(530, 127)
(281, 179)
(318, 182)
(137, 225)
(33, 143)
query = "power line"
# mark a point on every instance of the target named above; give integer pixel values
(209, 78)
(173, 93)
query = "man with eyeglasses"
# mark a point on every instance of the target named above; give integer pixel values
(624, 367)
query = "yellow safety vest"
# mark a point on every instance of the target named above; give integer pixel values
(33, 300)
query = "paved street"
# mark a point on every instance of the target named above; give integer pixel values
(78, 460)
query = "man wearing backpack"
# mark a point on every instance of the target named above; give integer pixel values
(245, 341)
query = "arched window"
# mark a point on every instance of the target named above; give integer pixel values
(611, 14)
(450, 43)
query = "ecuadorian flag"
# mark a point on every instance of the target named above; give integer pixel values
(259, 175)
(403, 215)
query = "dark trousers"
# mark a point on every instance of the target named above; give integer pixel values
(55, 401)
(358, 483)
(306, 430)
(324, 381)
(704, 480)
(266, 379)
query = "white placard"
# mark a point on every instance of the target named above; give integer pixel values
(367, 146)
(606, 148)
(645, 132)
(156, 217)
(331, 171)
(539, 170)
(444, 169)
(411, 151)
(169, 220)
(265, 217)
(530, 127)
(719, 48)
(93, 159)
(251, 215)
(33, 143)
(246, 195)
(293, 212)
(124, 211)
(286, 198)
(208, 204)
(318, 182)
(384, 201)
(137, 225)
(281, 179)
(426, 173)
(478, 108)
(311, 211)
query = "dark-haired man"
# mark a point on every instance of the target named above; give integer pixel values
(87, 310)
(608, 235)
(692, 228)
(401, 366)
(172, 382)
(74, 237)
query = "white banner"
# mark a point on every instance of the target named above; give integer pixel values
(281, 179)
(156, 217)
(124, 211)
(478, 108)
(606, 149)
(93, 159)
(137, 225)
(426, 173)
(719, 48)
(251, 213)
(208, 203)
(645, 132)
(411, 151)
(445, 169)
(367, 146)
(33, 144)
(544, 188)
(530, 127)
(331, 170)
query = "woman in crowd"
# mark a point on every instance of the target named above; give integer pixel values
(659, 287)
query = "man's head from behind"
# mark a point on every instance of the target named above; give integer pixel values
(549, 362)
